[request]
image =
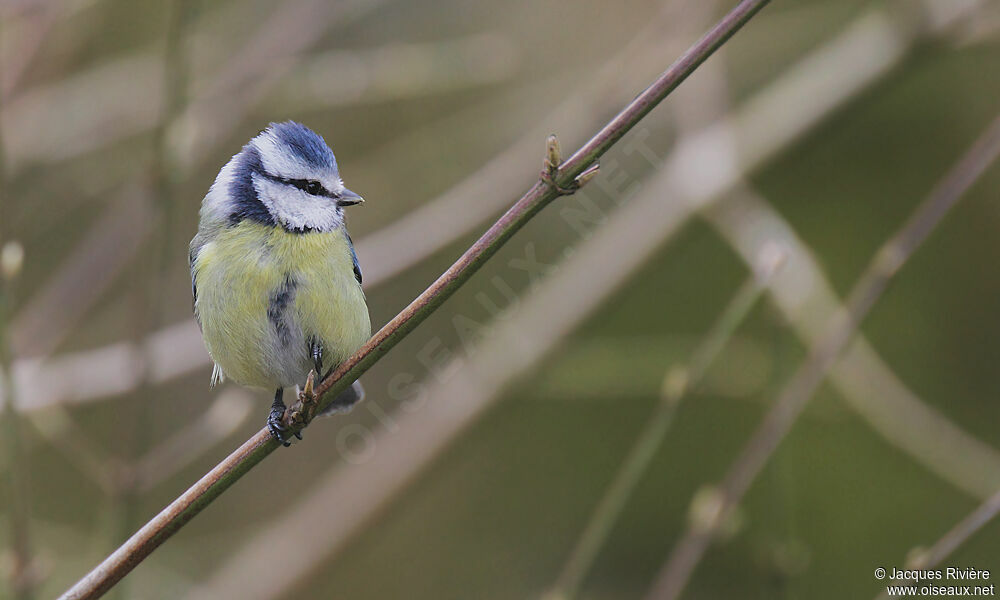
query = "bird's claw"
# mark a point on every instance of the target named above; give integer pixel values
(299, 415)
(278, 429)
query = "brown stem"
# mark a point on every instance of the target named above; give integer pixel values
(254, 450)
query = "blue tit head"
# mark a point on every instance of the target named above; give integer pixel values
(285, 177)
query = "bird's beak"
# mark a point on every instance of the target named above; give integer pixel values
(349, 198)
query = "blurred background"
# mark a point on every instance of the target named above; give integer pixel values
(492, 433)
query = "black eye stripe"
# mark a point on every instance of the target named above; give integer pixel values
(308, 186)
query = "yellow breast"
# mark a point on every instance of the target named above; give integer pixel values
(264, 293)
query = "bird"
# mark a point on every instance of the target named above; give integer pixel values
(275, 280)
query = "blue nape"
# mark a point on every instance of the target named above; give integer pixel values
(242, 190)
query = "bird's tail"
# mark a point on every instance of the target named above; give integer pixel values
(346, 400)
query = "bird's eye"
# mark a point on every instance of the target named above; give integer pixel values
(314, 187)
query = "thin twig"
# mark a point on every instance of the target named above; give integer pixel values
(434, 225)
(924, 559)
(262, 444)
(563, 177)
(678, 383)
(840, 330)
(807, 299)
(387, 251)
(872, 45)
(124, 502)
(307, 535)
(690, 115)
(22, 578)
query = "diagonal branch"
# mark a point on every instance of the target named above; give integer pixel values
(177, 350)
(840, 330)
(806, 297)
(627, 240)
(537, 198)
(254, 450)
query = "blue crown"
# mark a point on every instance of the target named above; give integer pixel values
(304, 143)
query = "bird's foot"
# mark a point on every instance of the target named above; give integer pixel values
(276, 422)
(278, 429)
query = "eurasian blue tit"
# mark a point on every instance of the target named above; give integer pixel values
(276, 281)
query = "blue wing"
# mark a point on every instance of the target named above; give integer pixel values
(354, 258)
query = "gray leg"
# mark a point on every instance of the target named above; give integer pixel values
(316, 352)
(274, 424)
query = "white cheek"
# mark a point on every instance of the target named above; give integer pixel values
(296, 209)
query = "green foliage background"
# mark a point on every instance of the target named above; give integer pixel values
(497, 515)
